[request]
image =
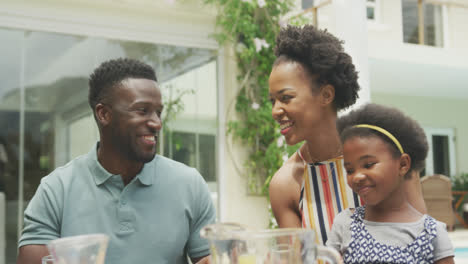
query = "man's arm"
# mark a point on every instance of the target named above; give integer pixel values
(203, 214)
(41, 224)
(31, 254)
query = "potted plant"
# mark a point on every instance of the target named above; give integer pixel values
(460, 183)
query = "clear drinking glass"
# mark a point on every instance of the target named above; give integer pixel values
(231, 243)
(48, 259)
(83, 249)
(282, 253)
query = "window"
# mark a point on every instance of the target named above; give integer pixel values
(371, 9)
(307, 4)
(422, 23)
(441, 156)
(80, 143)
(195, 150)
(191, 137)
(46, 120)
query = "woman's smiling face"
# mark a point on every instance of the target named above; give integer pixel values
(294, 104)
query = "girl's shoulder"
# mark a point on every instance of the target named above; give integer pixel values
(441, 227)
(344, 217)
(443, 246)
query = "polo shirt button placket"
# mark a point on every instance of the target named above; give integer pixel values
(125, 219)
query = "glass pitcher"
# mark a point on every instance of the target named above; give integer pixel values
(83, 249)
(234, 244)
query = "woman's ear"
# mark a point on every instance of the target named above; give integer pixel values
(327, 93)
(103, 114)
(405, 164)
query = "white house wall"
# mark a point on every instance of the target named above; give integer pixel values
(139, 20)
(429, 83)
(457, 21)
(385, 39)
(435, 112)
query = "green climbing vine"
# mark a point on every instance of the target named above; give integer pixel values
(251, 27)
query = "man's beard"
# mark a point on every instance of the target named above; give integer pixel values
(131, 150)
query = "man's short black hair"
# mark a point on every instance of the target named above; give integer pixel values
(112, 72)
(406, 130)
(322, 54)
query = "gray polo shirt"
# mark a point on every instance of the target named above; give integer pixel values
(156, 218)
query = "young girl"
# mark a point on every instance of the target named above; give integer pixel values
(381, 147)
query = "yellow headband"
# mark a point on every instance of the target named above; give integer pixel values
(385, 132)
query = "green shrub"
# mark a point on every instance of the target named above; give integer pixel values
(460, 182)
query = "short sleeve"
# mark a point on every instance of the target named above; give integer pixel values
(442, 245)
(204, 215)
(42, 215)
(340, 235)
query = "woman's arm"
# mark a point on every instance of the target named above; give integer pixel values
(413, 192)
(283, 207)
(285, 191)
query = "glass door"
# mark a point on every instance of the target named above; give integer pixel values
(46, 121)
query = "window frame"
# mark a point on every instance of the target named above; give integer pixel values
(444, 24)
(450, 134)
(376, 6)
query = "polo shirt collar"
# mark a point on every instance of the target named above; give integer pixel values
(101, 175)
(148, 172)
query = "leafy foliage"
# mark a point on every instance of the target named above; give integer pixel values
(460, 182)
(251, 28)
(173, 103)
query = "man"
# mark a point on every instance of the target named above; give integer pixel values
(151, 207)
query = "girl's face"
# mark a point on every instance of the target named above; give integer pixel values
(372, 171)
(294, 106)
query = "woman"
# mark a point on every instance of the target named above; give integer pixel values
(311, 80)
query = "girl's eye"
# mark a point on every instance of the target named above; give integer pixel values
(285, 97)
(369, 165)
(349, 171)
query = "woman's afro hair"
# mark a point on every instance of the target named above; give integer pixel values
(406, 130)
(322, 54)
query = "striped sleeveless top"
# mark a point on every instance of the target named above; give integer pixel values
(324, 193)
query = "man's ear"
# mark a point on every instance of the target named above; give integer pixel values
(405, 164)
(327, 93)
(103, 114)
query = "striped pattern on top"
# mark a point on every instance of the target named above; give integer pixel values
(325, 193)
